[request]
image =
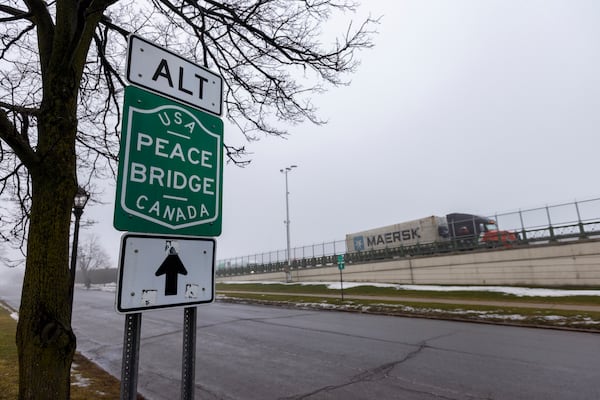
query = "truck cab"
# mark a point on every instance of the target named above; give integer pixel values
(473, 228)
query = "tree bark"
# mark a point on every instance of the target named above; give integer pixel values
(45, 340)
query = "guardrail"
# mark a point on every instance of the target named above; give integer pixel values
(562, 222)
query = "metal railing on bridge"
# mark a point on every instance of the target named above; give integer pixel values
(561, 222)
(272, 261)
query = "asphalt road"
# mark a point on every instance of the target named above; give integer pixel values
(257, 352)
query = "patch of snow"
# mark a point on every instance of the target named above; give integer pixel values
(319, 305)
(517, 291)
(79, 381)
(15, 316)
(348, 285)
(553, 317)
(257, 282)
(586, 321)
(103, 287)
(109, 287)
(513, 317)
(330, 285)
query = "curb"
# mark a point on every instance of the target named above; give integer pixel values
(404, 314)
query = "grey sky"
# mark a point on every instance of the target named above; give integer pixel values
(468, 106)
(462, 106)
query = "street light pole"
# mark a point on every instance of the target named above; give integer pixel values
(287, 220)
(79, 202)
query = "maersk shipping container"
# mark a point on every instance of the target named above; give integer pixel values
(420, 231)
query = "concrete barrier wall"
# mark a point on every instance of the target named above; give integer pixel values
(562, 264)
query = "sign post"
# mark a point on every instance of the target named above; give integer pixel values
(188, 370)
(169, 187)
(340, 260)
(157, 272)
(131, 351)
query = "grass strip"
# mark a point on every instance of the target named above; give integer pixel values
(88, 381)
(588, 321)
(393, 292)
(9, 374)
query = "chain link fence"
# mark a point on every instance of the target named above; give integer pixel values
(279, 257)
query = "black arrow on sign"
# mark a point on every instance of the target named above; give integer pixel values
(171, 267)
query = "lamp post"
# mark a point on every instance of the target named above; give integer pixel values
(79, 202)
(287, 220)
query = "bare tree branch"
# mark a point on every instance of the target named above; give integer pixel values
(15, 13)
(265, 50)
(19, 143)
(62, 67)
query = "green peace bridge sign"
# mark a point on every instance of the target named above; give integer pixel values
(170, 168)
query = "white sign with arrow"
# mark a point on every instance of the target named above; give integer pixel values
(164, 271)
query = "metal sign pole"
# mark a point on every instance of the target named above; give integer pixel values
(342, 283)
(131, 352)
(188, 370)
(340, 259)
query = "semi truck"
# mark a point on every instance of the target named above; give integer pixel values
(466, 229)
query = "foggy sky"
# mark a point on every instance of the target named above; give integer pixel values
(462, 106)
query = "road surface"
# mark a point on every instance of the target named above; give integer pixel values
(256, 352)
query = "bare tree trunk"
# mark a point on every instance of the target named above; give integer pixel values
(266, 41)
(45, 340)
